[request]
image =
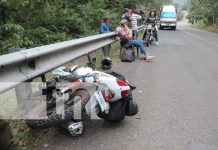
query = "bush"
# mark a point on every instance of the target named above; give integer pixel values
(201, 23)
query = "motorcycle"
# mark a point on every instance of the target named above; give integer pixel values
(79, 90)
(150, 30)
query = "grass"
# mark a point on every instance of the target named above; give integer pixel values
(202, 24)
(26, 137)
(212, 28)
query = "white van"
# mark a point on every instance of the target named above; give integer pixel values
(168, 17)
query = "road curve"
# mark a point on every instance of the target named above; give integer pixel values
(177, 94)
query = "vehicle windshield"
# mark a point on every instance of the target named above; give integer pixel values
(168, 15)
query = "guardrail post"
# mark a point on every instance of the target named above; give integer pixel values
(24, 90)
(23, 94)
(106, 50)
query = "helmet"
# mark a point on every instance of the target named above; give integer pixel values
(106, 63)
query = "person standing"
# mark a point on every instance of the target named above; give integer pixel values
(104, 28)
(134, 21)
(128, 17)
(125, 12)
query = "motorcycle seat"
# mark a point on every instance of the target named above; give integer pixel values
(71, 78)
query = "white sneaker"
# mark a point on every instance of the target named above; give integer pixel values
(157, 43)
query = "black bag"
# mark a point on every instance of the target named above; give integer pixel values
(117, 111)
(131, 108)
(128, 55)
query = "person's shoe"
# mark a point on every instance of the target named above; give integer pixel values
(142, 56)
(157, 43)
(149, 58)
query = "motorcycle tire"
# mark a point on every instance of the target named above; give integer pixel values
(54, 119)
(147, 41)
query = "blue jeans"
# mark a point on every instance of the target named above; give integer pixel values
(134, 34)
(140, 44)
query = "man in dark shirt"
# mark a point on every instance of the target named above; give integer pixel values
(128, 17)
(153, 21)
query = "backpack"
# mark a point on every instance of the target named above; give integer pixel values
(128, 55)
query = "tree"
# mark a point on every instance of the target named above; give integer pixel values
(30, 23)
(201, 9)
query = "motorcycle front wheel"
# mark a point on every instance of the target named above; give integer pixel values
(148, 40)
(45, 117)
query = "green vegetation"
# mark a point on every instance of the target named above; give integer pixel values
(204, 14)
(203, 24)
(26, 137)
(28, 23)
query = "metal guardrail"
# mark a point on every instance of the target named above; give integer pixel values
(31, 63)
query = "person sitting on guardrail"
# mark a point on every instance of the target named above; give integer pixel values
(125, 34)
(153, 21)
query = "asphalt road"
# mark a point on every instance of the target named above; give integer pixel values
(177, 94)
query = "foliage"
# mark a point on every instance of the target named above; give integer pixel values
(28, 23)
(201, 24)
(200, 9)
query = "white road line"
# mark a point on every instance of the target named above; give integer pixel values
(199, 37)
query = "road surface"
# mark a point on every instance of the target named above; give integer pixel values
(177, 94)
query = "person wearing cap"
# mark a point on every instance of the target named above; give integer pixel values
(104, 28)
(125, 12)
(125, 34)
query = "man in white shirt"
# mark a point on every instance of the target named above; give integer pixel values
(134, 21)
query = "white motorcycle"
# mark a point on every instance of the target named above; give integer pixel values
(77, 90)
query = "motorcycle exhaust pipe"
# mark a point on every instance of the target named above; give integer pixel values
(74, 128)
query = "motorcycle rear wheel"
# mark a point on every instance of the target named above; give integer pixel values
(39, 118)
